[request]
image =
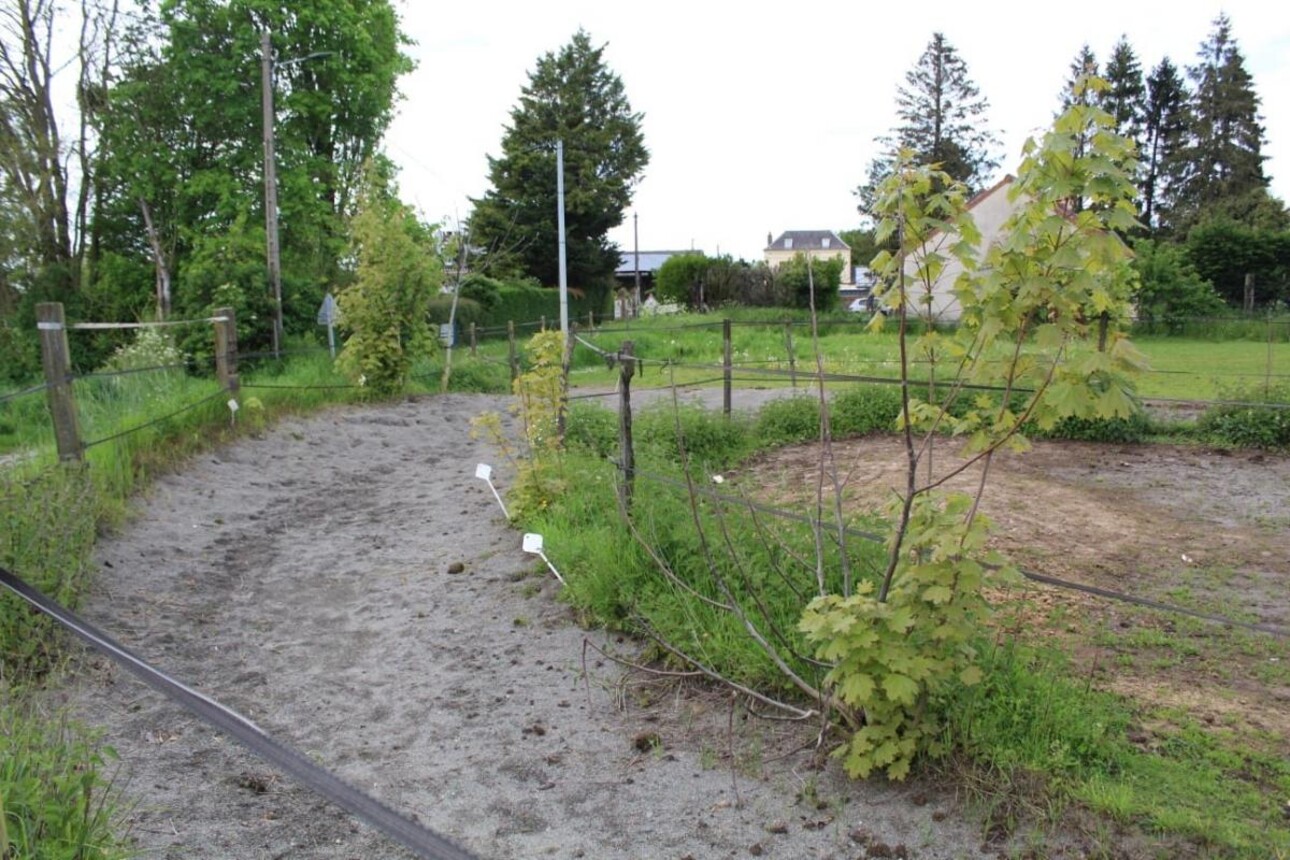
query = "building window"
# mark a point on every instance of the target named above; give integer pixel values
(824, 243)
(788, 243)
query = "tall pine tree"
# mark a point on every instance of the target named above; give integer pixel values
(942, 119)
(574, 97)
(1123, 99)
(1163, 136)
(1222, 162)
(1077, 91)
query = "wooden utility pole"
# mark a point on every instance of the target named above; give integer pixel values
(272, 251)
(56, 362)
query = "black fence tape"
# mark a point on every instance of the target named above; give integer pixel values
(422, 842)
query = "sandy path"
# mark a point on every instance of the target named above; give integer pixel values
(303, 579)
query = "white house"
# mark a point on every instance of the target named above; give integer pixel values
(989, 209)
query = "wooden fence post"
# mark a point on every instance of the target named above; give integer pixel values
(792, 359)
(512, 357)
(626, 451)
(57, 364)
(226, 349)
(473, 341)
(543, 322)
(726, 367)
(591, 320)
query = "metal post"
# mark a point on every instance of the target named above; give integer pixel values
(564, 272)
(271, 190)
(636, 245)
(56, 361)
(226, 349)
(726, 367)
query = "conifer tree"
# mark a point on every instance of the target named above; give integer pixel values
(1222, 161)
(1125, 94)
(1163, 129)
(942, 119)
(574, 97)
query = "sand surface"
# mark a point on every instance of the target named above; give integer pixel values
(303, 578)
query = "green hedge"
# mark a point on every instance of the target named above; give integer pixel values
(525, 304)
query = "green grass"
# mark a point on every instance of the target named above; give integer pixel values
(1207, 366)
(1035, 741)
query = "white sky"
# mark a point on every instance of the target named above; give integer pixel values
(761, 118)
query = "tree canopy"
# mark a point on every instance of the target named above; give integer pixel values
(941, 115)
(571, 96)
(1221, 170)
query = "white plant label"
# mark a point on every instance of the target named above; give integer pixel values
(533, 543)
(484, 472)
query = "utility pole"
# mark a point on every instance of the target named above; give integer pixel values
(564, 273)
(271, 190)
(636, 243)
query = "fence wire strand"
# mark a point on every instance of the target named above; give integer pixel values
(771, 510)
(34, 389)
(156, 421)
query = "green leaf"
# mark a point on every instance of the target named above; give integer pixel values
(900, 688)
(938, 594)
(856, 689)
(971, 676)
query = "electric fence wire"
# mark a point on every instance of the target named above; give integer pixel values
(108, 374)
(284, 386)
(156, 421)
(422, 841)
(252, 356)
(34, 389)
(713, 495)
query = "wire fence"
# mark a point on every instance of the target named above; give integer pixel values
(745, 503)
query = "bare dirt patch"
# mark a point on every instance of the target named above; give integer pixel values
(345, 582)
(1205, 529)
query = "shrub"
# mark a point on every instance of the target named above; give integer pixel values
(486, 291)
(865, 409)
(593, 429)
(439, 310)
(710, 438)
(1248, 426)
(784, 422)
(1131, 430)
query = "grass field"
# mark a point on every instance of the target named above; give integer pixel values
(1200, 367)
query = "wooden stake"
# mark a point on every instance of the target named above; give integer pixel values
(56, 362)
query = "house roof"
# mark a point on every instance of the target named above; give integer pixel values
(651, 261)
(807, 240)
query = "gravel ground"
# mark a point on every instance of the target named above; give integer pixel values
(347, 583)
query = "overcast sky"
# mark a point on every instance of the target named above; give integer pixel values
(762, 118)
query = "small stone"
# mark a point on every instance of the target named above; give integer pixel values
(755, 849)
(456, 567)
(777, 827)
